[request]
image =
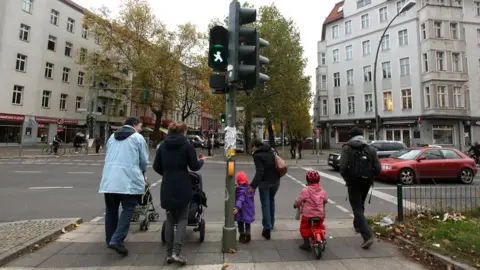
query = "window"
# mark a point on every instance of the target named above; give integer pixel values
(78, 103)
(450, 154)
(457, 66)
(323, 85)
(324, 107)
(54, 17)
(423, 30)
(478, 35)
(66, 75)
(428, 98)
(383, 14)
(81, 75)
(63, 102)
(366, 47)
(51, 43)
(21, 64)
(24, 32)
(386, 43)
(406, 98)
(442, 135)
(365, 21)
(342, 135)
(49, 70)
(454, 30)
(351, 104)
(350, 77)
(368, 103)
(367, 74)
(70, 25)
(386, 70)
(425, 62)
(348, 27)
(403, 37)
(477, 8)
(458, 97)
(323, 59)
(362, 3)
(27, 6)
(387, 101)
(97, 38)
(441, 97)
(335, 31)
(400, 5)
(17, 97)
(84, 32)
(432, 154)
(437, 28)
(336, 56)
(336, 79)
(338, 106)
(68, 49)
(441, 61)
(405, 66)
(83, 54)
(46, 99)
(348, 52)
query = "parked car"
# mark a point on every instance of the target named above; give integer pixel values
(409, 166)
(384, 149)
(240, 146)
(196, 140)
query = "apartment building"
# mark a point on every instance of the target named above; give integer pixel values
(427, 72)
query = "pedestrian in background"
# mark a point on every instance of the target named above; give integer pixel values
(123, 181)
(293, 148)
(97, 144)
(173, 159)
(359, 164)
(244, 208)
(267, 180)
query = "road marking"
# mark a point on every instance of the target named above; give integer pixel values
(96, 164)
(82, 164)
(54, 163)
(27, 171)
(97, 219)
(80, 172)
(156, 183)
(342, 208)
(376, 193)
(50, 187)
(331, 202)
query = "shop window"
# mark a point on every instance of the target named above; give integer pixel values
(342, 135)
(443, 135)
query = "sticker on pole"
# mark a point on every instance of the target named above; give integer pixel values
(230, 141)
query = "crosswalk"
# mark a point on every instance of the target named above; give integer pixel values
(67, 162)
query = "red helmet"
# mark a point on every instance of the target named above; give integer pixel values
(313, 176)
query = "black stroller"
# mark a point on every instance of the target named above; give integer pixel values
(145, 208)
(196, 211)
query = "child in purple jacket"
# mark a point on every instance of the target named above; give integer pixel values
(244, 207)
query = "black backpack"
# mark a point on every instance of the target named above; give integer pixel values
(360, 163)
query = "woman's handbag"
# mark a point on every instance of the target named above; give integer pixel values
(280, 165)
(298, 214)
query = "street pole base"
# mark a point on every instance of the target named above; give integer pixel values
(229, 239)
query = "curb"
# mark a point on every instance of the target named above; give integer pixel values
(251, 163)
(17, 251)
(445, 260)
(45, 156)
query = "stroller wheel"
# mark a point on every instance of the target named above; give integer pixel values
(144, 225)
(156, 217)
(163, 233)
(135, 217)
(201, 229)
(151, 217)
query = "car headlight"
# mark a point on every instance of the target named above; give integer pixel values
(386, 167)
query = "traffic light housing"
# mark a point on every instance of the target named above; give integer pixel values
(218, 48)
(223, 118)
(90, 121)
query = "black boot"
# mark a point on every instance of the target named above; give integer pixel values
(306, 245)
(266, 234)
(248, 237)
(241, 238)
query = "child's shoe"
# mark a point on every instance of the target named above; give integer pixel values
(241, 238)
(306, 245)
(248, 237)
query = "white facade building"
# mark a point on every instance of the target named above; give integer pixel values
(427, 72)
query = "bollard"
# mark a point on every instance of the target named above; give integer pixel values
(399, 203)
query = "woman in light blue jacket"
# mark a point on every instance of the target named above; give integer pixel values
(123, 180)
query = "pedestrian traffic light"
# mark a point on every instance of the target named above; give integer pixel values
(223, 118)
(218, 48)
(90, 121)
(244, 44)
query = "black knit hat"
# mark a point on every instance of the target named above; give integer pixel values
(355, 131)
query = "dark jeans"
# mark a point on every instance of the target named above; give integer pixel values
(244, 227)
(209, 151)
(293, 153)
(357, 194)
(97, 149)
(116, 229)
(175, 238)
(267, 199)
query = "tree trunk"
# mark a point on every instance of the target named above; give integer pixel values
(248, 127)
(158, 124)
(271, 136)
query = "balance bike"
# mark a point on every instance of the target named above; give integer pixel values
(317, 244)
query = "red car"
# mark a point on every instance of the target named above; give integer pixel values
(409, 166)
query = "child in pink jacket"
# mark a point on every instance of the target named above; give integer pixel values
(312, 202)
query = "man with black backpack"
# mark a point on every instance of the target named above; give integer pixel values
(359, 165)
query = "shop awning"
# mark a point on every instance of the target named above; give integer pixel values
(399, 122)
(116, 127)
(164, 130)
(147, 129)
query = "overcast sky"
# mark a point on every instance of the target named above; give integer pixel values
(308, 15)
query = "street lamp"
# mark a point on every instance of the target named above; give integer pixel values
(405, 8)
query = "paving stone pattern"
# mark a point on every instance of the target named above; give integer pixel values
(86, 248)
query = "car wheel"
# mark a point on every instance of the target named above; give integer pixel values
(466, 176)
(406, 176)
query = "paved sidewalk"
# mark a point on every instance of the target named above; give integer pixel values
(85, 248)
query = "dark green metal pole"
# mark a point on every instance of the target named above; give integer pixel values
(229, 229)
(399, 203)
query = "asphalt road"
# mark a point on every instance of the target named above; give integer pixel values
(68, 187)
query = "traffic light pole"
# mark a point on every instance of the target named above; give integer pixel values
(229, 229)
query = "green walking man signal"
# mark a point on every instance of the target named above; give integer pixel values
(218, 54)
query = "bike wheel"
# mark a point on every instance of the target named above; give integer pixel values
(47, 150)
(317, 249)
(72, 150)
(61, 150)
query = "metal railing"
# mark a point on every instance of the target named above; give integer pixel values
(436, 199)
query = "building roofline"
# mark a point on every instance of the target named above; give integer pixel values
(74, 5)
(335, 15)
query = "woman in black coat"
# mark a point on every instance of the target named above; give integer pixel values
(174, 156)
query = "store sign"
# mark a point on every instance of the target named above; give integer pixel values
(58, 121)
(12, 117)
